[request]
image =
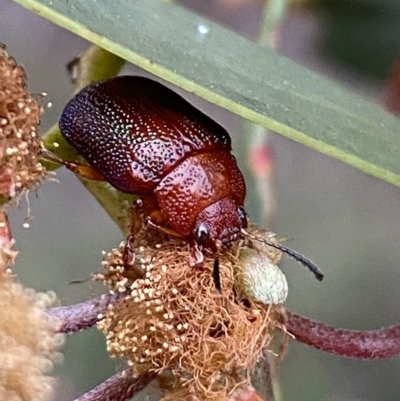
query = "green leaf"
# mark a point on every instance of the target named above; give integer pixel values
(239, 75)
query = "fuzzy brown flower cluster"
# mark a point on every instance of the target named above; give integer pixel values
(28, 344)
(19, 138)
(174, 321)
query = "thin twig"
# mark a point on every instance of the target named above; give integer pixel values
(370, 344)
(81, 316)
(120, 387)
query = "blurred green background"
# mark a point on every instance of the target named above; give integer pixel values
(346, 221)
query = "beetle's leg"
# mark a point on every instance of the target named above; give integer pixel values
(129, 257)
(163, 229)
(155, 217)
(83, 170)
(196, 257)
(136, 217)
(129, 254)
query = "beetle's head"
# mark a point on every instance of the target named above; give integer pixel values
(219, 223)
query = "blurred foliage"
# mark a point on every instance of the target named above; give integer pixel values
(364, 34)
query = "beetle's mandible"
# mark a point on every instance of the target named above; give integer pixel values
(145, 139)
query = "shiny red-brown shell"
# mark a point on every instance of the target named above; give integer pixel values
(145, 139)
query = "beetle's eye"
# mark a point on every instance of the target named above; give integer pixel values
(242, 217)
(202, 234)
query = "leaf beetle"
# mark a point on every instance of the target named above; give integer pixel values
(145, 139)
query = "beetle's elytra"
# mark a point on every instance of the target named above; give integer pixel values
(145, 139)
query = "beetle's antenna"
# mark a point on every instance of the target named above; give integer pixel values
(216, 276)
(295, 255)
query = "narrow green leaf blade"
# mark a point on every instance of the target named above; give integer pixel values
(239, 75)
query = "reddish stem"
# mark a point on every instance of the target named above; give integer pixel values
(120, 387)
(81, 316)
(373, 344)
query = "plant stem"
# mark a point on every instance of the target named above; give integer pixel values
(370, 344)
(81, 316)
(120, 387)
